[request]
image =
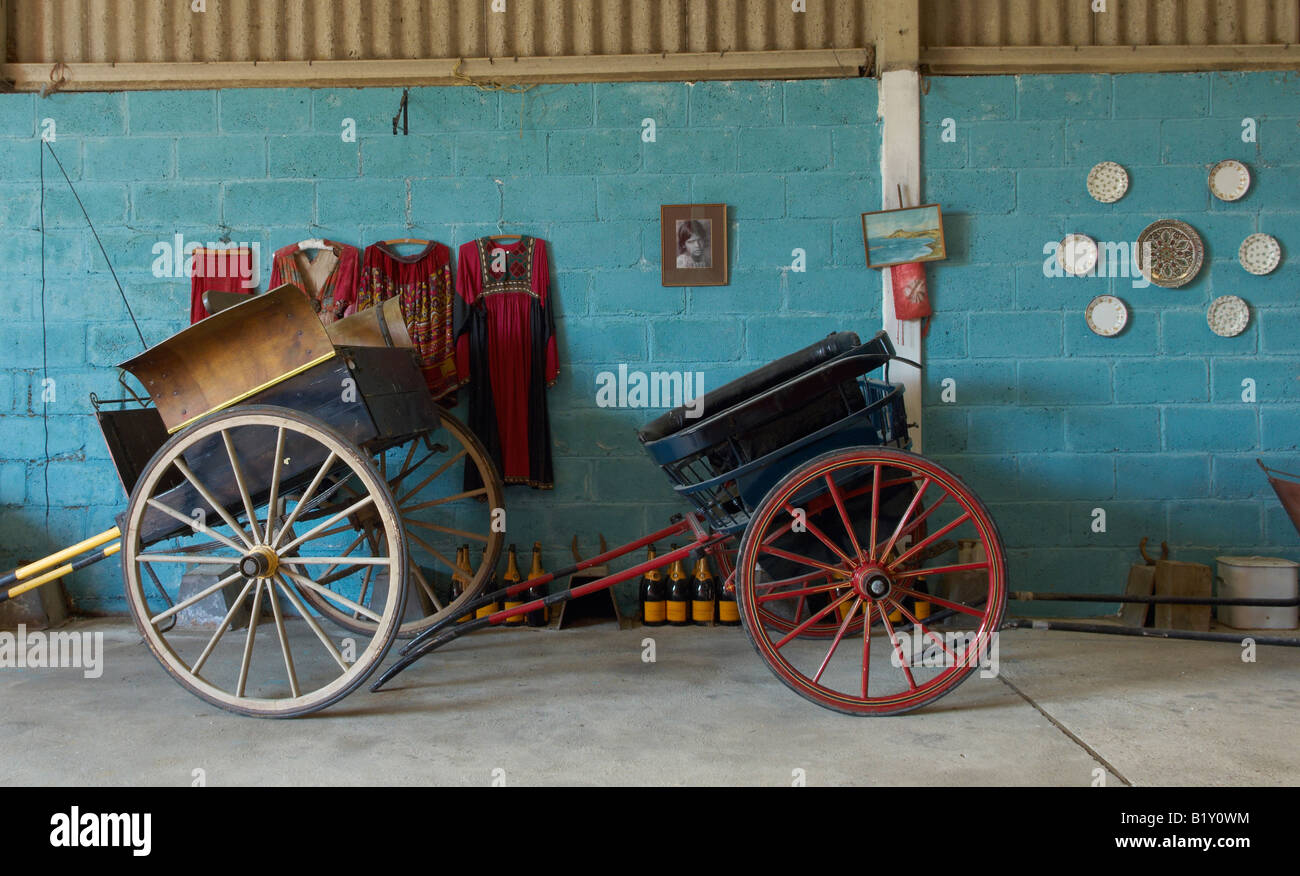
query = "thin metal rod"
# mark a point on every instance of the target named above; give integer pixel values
(1034, 596)
(1024, 623)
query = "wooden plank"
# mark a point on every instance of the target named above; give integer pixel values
(689, 66)
(900, 168)
(1183, 579)
(1107, 59)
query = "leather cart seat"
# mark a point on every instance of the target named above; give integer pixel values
(743, 388)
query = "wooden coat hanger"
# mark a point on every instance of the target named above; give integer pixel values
(398, 241)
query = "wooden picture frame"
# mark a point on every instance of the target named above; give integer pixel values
(901, 236)
(693, 244)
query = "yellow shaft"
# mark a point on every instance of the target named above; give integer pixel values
(54, 574)
(67, 553)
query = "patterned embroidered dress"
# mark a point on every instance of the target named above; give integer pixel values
(505, 347)
(423, 281)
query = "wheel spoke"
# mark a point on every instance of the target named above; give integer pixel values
(447, 529)
(347, 551)
(942, 570)
(238, 471)
(274, 498)
(187, 559)
(433, 550)
(790, 594)
(799, 558)
(875, 509)
(481, 491)
(216, 506)
(283, 635)
(306, 497)
(844, 514)
(431, 478)
(193, 598)
(320, 561)
(938, 600)
(866, 647)
(930, 539)
(915, 524)
(848, 616)
(812, 620)
(253, 622)
(194, 524)
(221, 629)
(925, 631)
(799, 579)
(311, 622)
(330, 521)
(898, 649)
(821, 536)
(902, 521)
(424, 583)
(336, 598)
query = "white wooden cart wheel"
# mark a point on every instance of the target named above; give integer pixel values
(241, 492)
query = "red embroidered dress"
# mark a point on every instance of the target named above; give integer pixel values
(505, 348)
(329, 279)
(423, 281)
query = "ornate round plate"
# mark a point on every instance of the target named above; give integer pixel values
(1077, 254)
(1169, 253)
(1260, 253)
(1106, 315)
(1229, 180)
(1228, 316)
(1107, 182)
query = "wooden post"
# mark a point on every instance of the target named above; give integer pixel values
(897, 53)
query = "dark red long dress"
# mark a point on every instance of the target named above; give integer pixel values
(505, 347)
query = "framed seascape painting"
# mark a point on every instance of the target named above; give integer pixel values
(694, 244)
(896, 237)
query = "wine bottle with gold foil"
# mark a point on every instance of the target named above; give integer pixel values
(492, 607)
(513, 576)
(538, 617)
(728, 610)
(654, 610)
(702, 593)
(679, 594)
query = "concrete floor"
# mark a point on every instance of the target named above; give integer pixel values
(580, 707)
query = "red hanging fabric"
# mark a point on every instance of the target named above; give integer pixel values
(911, 293)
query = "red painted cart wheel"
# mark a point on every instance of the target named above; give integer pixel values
(859, 528)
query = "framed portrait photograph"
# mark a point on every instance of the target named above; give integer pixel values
(694, 244)
(897, 237)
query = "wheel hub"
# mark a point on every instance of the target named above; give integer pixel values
(260, 562)
(871, 582)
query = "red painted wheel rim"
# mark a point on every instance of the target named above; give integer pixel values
(872, 576)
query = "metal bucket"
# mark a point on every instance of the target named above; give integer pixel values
(1258, 578)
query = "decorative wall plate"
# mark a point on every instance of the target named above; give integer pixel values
(1106, 315)
(1228, 316)
(1107, 182)
(1260, 253)
(1077, 254)
(1176, 253)
(1229, 180)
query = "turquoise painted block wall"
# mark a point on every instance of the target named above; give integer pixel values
(1050, 421)
(795, 161)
